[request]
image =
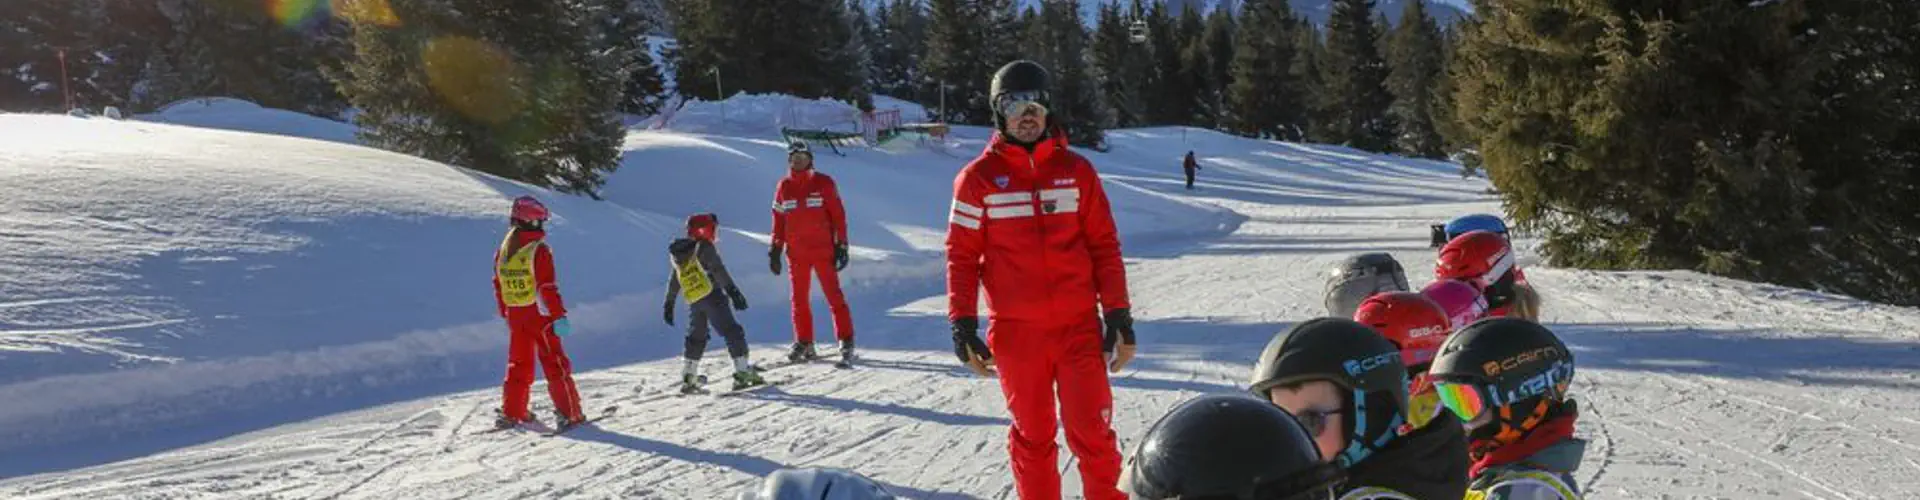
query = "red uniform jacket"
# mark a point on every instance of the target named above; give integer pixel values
(542, 275)
(1034, 229)
(807, 214)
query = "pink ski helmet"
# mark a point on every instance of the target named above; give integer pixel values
(1461, 301)
(528, 209)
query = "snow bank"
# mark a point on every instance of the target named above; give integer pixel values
(147, 262)
(227, 113)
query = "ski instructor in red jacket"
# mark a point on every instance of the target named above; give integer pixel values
(1031, 224)
(810, 226)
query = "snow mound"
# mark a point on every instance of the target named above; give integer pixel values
(148, 262)
(227, 113)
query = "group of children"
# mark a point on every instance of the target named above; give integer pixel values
(1356, 405)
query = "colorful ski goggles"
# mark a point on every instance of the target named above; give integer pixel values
(1468, 401)
(1017, 104)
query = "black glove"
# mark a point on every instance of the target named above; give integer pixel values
(669, 313)
(967, 346)
(773, 259)
(1119, 342)
(840, 257)
(739, 301)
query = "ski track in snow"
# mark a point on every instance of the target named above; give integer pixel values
(1690, 386)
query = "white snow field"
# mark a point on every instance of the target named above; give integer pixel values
(203, 314)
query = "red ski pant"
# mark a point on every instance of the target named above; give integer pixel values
(801, 269)
(1036, 362)
(532, 337)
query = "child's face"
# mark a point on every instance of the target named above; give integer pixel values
(1319, 405)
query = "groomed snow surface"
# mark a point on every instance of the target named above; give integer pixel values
(199, 313)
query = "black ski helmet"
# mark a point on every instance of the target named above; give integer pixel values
(1524, 368)
(1229, 447)
(1353, 356)
(1019, 76)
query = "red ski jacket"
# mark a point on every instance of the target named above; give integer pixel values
(807, 213)
(1035, 230)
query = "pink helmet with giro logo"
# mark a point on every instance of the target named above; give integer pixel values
(1462, 302)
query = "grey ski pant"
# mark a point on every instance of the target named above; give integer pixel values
(714, 309)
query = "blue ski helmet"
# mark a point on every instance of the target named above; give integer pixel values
(1475, 222)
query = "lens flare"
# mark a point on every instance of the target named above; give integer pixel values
(295, 13)
(475, 78)
(364, 12)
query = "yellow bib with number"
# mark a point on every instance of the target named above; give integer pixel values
(518, 288)
(694, 284)
(1540, 480)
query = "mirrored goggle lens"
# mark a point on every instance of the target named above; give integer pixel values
(1465, 400)
(1020, 103)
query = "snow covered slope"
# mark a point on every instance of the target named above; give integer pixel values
(1690, 386)
(159, 275)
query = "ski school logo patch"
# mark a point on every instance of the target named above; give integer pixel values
(1000, 181)
(1063, 182)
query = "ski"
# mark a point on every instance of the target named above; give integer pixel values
(610, 411)
(743, 390)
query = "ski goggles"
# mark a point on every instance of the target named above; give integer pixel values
(1017, 104)
(1468, 401)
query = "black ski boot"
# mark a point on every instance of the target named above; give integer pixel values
(691, 384)
(562, 422)
(500, 420)
(802, 352)
(846, 354)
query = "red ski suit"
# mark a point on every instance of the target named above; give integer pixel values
(1035, 230)
(519, 296)
(809, 221)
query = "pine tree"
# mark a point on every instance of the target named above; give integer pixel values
(1265, 100)
(627, 24)
(1415, 59)
(955, 60)
(1168, 101)
(1218, 38)
(1309, 69)
(1355, 80)
(903, 43)
(525, 91)
(1191, 75)
(1744, 140)
(1116, 58)
(1454, 135)
(1058, 39)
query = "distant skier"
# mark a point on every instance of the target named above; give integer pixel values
(1507, 379)
(1031, 224)
(1190, 166)
(816, 483)
(1229, 448)
(1485, 260)
(810, 227)
(523, 281)
(1360, 276)
(698, 273)
(1348, 385)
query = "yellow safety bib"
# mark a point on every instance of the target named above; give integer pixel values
(1424, 406)
(694, 284)
(1549, 480)
(518, 286)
